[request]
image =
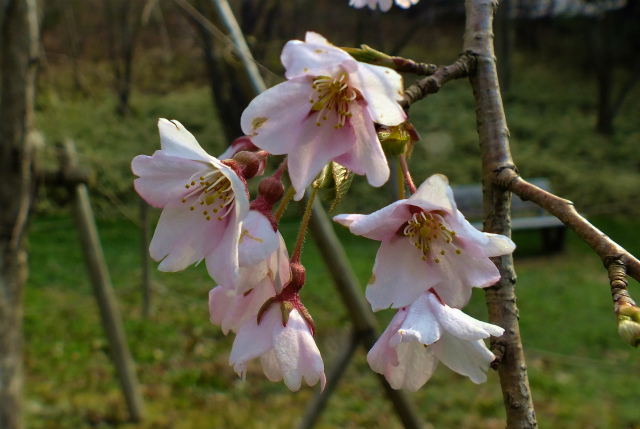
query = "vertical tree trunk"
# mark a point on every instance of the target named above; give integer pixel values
(496, 156)
(18, 54)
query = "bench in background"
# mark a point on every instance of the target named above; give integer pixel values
(525, 215)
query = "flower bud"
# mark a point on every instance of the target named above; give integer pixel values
(271, 189)
(629, 330)
(629, 324)
(248, 164)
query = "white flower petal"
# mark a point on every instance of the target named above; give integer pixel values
(469, 358)
(314, 57)
(366, 156)
(163, 178)
(460, 324)
(177, 141)
(258, 240)
(297, 353)
(420, 324)
(282, 107)
(382, 88)
(399, 275)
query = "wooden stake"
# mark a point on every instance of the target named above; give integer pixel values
(102, 288)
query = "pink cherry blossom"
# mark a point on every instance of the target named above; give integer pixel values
(425, 333)
(427, 243)
(384, 5)
(203, 202)
(286, 352)
(326, 111)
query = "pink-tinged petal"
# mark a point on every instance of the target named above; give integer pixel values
(175, 140)
(254, 340)
(491, 244)
(382, 354)
(163, 178)
(405, 4)
(434, 194)
(183, 237)
(399, 275)
(379, 225)
(317, 146)
(270, 366)
(347, 219)
(366, 156)
(219, 301)
(462, 325)
(417, 365)
(297, 353)
(469, 358)
(420, 324)
(258, 240)
(314, 57)
(249, 277)
(278, 266)
(231, 311)
(274, 118)
(222, 262)
(461, 272)
(382, 88)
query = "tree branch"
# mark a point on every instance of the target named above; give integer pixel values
(608, 250)
(443, 74)
(494, 142)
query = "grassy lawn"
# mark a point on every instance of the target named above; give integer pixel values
(581, 374)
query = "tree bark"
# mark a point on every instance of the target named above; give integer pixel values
(18, 52)
(496, 156)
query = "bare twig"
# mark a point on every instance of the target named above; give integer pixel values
(369, 55)
(608, 250)
(443, 74)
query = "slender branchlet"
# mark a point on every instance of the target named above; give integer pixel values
(443, 74)
(297, 251)
(564, 210)
(369, 55)
(284, 203)
(406, 175)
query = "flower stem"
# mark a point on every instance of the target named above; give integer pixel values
(407, 175)
(400, 180)
(281, 168)
(283, 204)
(303, 227)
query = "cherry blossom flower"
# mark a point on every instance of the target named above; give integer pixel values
(286, 349)
(427, 243)
(326, 111)
(425, 333)
(231, 311)
(203, 201)
(384, 5)
(231, 308)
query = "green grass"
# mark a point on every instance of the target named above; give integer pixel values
(581, 373)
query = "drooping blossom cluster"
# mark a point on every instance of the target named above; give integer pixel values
(430, 257)
(207, 215)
